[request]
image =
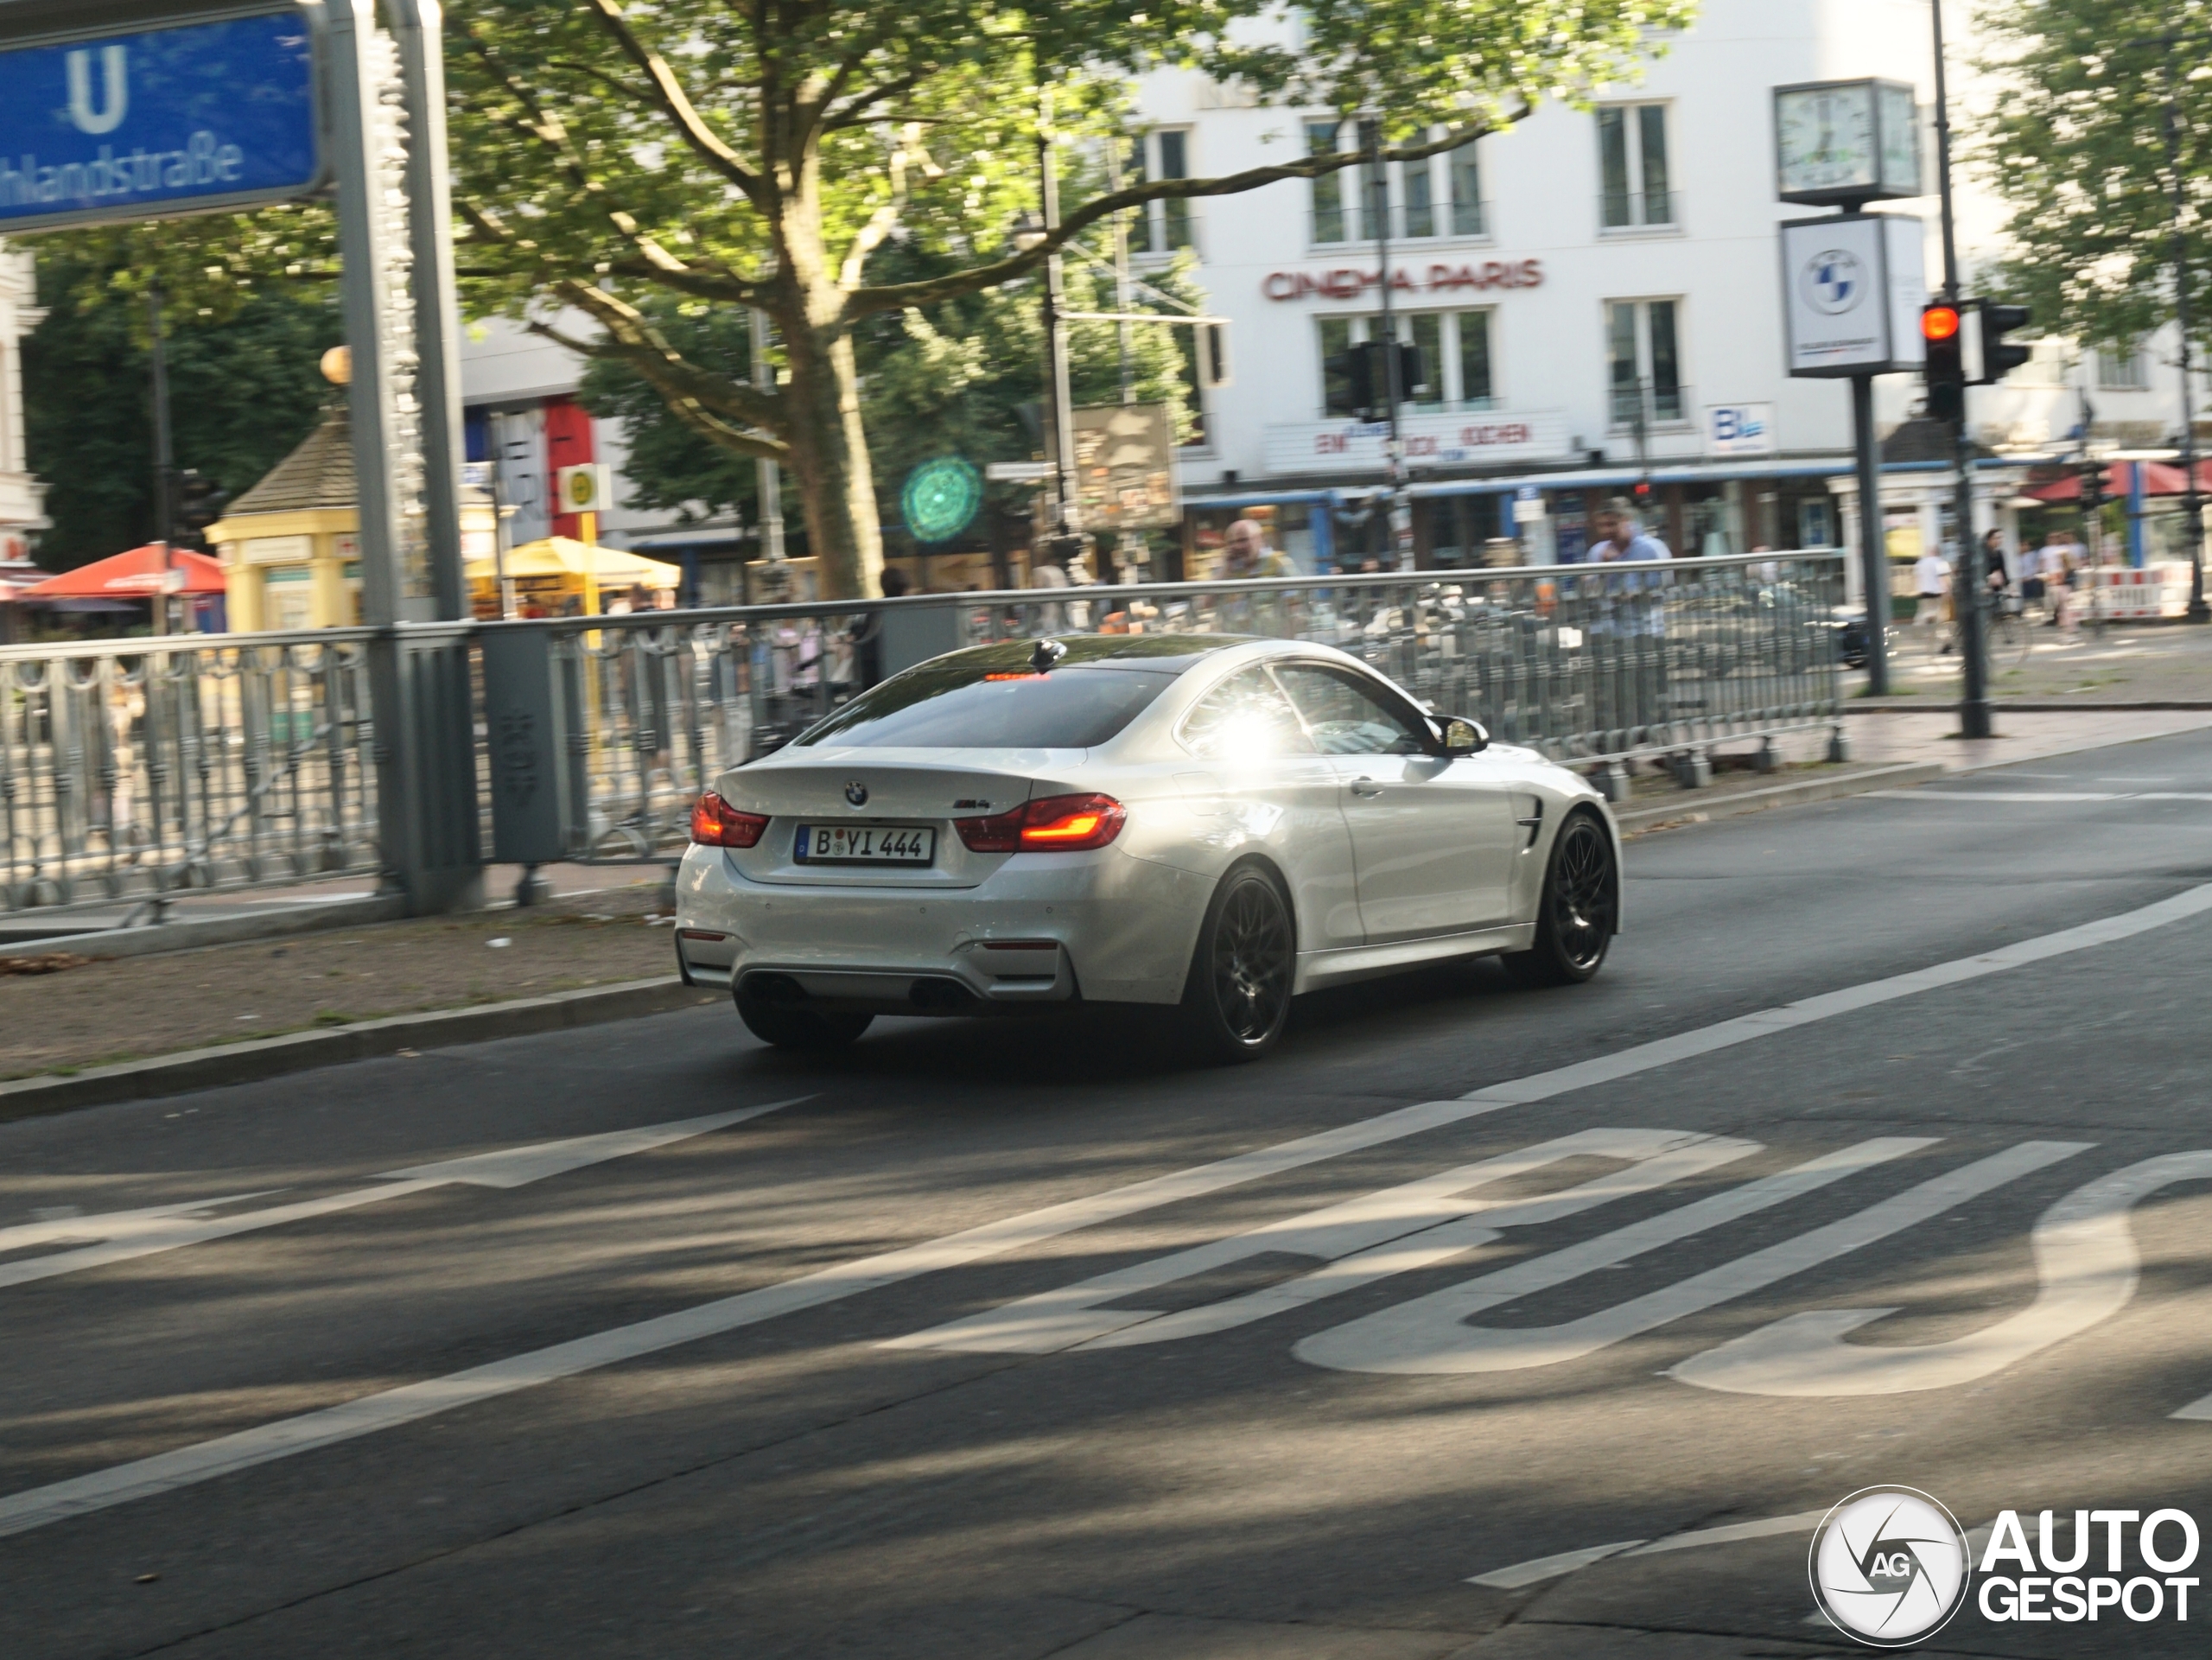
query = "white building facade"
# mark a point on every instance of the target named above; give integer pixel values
(22, 497)
(1597, 299)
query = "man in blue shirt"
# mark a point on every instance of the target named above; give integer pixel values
(1631, 639)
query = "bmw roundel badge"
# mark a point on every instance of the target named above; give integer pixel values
(856, 792)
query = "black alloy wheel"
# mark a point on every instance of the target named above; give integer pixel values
(1577, 911)
(1236, 1000)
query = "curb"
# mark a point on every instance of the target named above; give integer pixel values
(276, 923)
(301, 1051)
(1647, 819)
(2023, 706)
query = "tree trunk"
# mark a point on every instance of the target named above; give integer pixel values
(828, 442)
(829, 455)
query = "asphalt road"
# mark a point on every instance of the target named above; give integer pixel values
(831, 1378)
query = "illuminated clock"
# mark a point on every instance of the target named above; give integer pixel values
(1846, 141)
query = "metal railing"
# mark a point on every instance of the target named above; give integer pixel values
(137, 769)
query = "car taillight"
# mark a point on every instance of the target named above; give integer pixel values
(715, 824)
(1063, 823)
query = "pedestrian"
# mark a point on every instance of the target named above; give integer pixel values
(1931, 583)
(2032, 590)
(1247, 552)
(1629, 627)
(2058, 580)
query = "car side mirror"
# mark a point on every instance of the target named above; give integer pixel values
(1463, 737)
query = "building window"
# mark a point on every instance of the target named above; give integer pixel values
(1475, 390)
(1329, 224)
(1455, 361)
(1166, 155)
(1468, 218)
(1417, 191)
(1636, 187)
(1644, 347)
(2122, 369)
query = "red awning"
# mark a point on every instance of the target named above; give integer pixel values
(135, 575)
(2159, 479)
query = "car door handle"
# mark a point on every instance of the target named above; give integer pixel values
(1365, 786)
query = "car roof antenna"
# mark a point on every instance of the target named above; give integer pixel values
(1046, 656)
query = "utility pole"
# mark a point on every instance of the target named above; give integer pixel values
(1377, 206)
(164, 461)
(1970, 587)
(1066, 517)
(2193, 530)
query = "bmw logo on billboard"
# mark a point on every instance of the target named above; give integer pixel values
(1834, 282)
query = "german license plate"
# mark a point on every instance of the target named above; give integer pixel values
(865, 844)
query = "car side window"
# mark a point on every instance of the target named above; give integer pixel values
(1246, 717)
(1347, 717)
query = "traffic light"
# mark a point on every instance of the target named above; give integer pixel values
(1941, 327)
(200, 503)
(1360, 383)
(1998, 358)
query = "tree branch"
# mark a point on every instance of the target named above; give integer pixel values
(866, 302)
(711, 403)
(886, 218)
(673, 102)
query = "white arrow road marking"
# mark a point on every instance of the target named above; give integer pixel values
(37, 1507)
(1070, 1316)
(125, 1236)
(2085, 1261)
(114, 1224)
(1430, 1334)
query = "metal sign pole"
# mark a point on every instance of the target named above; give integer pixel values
(437, 309)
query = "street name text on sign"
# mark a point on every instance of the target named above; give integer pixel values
(193, 118)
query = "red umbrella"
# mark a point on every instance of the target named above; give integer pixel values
(135, 575)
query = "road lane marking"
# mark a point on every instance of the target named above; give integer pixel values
(1925, 794)
(2087, 1269)
(1430, 1335)
(125, 1236)
(185, 1467)
(1070, 1316)
(1540, 1568)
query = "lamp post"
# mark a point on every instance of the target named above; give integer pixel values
(2194, 530)
(164, 461)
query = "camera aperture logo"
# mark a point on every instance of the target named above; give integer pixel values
(1889, 1566)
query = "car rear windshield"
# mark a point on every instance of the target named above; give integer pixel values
(969, 704)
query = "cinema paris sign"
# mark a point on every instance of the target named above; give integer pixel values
(1350, 283)
(1432, 439)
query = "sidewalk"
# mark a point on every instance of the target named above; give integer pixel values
(78, 1015)
(2140, 662)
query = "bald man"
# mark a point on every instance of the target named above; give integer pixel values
(1248, 554)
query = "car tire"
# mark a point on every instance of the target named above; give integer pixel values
(786, 1027)
(1237, 996)
(1578, 911)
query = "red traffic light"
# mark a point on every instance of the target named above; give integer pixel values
(1940, 323)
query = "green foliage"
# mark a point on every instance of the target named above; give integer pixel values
(243, 391)
(2077, 147)
(956, 380)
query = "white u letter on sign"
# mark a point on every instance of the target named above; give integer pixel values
(115, 65)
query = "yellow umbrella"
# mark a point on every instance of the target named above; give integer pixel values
(599, 567)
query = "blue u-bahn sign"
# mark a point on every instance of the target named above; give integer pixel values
(193, 118)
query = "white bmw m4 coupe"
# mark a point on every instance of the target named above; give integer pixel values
(1206, 824)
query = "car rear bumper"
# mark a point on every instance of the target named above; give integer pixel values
(1042, 929)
